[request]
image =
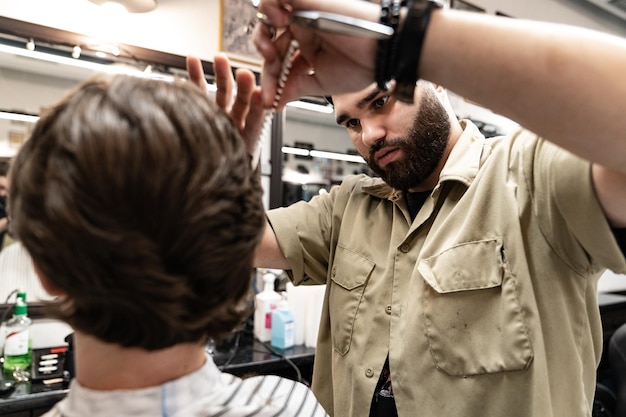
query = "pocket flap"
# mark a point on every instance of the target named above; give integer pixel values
(350, 269)
(467, 266)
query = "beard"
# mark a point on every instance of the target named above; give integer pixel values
(423, 146)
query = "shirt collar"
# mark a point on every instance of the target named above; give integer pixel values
(465, 158)
(161, 400)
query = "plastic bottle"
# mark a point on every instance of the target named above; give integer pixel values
(283, 326)
(265, 301)
(22, 295)
(17, 345)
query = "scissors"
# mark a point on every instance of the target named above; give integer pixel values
(334, 22)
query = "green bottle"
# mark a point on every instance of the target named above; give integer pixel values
(17, 345)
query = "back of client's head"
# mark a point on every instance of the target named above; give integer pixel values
(137, 202)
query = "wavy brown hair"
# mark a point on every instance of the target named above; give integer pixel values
(136, 199)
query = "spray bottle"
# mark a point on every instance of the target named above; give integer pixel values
(17, 345)
(264, 302)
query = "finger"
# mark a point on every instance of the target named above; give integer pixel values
(272, 69)
(195, 72)
(245, 86)
(278, 14)
(262, 39)
(265, 46)
(254, 121)
(300, 82)
(224, 82)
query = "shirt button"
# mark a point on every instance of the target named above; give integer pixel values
(369, 373)
(334, 271)
(404, 248)
(388, 310)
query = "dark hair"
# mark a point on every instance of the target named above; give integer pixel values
(136, 199)
(4, 167)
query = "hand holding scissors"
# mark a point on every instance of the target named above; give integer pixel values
(328, 43)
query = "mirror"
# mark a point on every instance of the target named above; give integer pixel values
(28, 85)
(326, 164)
(32, 84)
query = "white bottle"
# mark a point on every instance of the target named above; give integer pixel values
(283, 326)
(265, 301)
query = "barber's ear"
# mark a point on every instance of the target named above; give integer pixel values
(45, 282)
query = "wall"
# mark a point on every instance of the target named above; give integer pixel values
(573, 12)
(186, 27)
(182, 27)
(28, 92)
(25, 92)
(303, 125)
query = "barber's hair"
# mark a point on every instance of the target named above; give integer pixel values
(136, 199)
(4, 168)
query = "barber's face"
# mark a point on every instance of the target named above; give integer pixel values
(403, 143)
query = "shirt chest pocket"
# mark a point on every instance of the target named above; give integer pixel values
(473, 318)
(348, 275)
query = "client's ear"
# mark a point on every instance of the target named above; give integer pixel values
(45, 282)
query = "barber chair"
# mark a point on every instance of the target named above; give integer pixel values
(603, 402)
(617, 363)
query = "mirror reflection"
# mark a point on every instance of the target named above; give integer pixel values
(317, 154)
(31, 85)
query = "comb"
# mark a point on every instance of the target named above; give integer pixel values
(269, 117)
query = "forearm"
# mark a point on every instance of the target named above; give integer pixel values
(564, 83)
(268, 253)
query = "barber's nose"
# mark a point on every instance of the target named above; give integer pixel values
(372, 132)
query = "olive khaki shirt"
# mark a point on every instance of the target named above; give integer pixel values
(486, 302)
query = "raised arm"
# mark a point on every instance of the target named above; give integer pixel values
(564, 83)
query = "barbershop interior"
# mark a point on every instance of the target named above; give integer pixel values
(47, 48)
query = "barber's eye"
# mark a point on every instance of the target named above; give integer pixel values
(380, 101)
(352, 123)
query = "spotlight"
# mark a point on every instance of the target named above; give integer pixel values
(30, 45)
(76, 52)
(132, 6)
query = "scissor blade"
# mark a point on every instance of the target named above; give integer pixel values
(345, 25)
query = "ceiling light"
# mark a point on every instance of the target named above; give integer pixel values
(19, 117)
(322, 154)
(337, 156)
(76, 52)
(133, 6)
(30, 45)
(295, 151)
(79, 63)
